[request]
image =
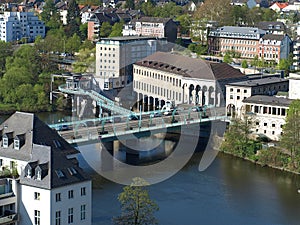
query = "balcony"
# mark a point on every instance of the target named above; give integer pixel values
(9, 218)
(296, 52)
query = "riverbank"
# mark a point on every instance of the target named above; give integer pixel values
(257, 162)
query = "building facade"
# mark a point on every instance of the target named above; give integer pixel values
(163, 77)
(17, 25)
(115, 56)
(268, 114)
(237, 92)
(157, 27)
(243, 40)
(52, 188)
(273, 47)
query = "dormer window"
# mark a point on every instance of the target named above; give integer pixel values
(16, 144)
(38, 175)
(5, 142)
(29, 172)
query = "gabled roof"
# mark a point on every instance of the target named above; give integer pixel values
(153, 20)
(280, 5)
(274, 37)
(43, 147)
(190, 67)
(271, 25)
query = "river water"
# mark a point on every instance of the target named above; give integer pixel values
(231, 191)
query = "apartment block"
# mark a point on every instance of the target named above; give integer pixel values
(17, 25)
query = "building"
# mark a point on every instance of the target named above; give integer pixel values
(294, 84)
(271, 27)
(115, 56)
(273, 47)
(163, 77)
(279, 6)
(51, 187)
(157, 27)
(239, 91)
(296, 54)
(243, 40)
(15, 26)
(268, 113)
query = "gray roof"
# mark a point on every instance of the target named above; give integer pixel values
(276, 37)
(190, 67)
(240, 30)
(153, 20)
(128, 38)
(268, 100)
(271, 25)
(259, 82)
(44, 146)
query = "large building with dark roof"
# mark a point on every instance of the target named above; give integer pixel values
(52, 188)
(163, 77)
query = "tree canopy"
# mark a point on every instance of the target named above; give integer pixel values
(136, 205)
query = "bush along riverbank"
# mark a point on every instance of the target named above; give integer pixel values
(239, 141)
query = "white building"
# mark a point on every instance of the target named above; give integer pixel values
(294, 84)
(268, 113)
(17, 25)
(52, 188)
(115, 56)
(163, 77)
(239, 91)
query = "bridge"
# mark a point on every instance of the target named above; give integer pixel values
(126, 123)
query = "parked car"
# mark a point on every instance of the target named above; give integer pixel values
(155, 114)
(133, 117)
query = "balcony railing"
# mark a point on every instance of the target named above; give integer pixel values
(8, 219)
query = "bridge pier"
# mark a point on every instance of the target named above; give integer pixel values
(107, 153)
(132, 156)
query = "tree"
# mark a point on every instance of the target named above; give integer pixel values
(284, 64)
(291, 132)
(185, 23)
(73, 19)
(136, 205)
(227, 58)
(6, 51)
(73, 44)
(148, 8)
(116, 29)
(129, 4)
(85, 61)
(105, 29)
(50, 15)
(244, 64)
(215, 10)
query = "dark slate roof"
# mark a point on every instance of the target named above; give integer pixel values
(153, 20)
(259, 82)
(276, 37)
(190, 67)
(107, 17)
(43, 147)
(270, 25)
(268, 100)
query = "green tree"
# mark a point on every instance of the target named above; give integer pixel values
(5, 51)
(227, 58)
(215, 10)
(83, 28)
(116, 30)
(50, 15)
(73, 44)
(85, 61)
(129, 4)
(244, 64)
(136, 205)
(105, 29)
(185, 23)
(291, 132)
(73, 19)
(148, 8)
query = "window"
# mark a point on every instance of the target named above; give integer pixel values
(57, 218)
(245, 91)
(70, 215)
(5, 142)
(83, 191)
(238, 97)
(37, 196)
(17, 144)
(57, 197)
(37, 217)
(238, 90)
(71, 194)
(265, 124)
(82, 212)
(273, 125)
(231, 96)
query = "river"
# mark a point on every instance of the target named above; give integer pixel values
(231, 191)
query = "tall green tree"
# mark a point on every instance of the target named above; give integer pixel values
(50, 15)
(129, 4)
(73, 19)
(136, 205)
(185, 23)
(85, 61)
(215, 10)
(116, 29)
(73, 44)
(5, 51)
(291, 133)
(105, 29)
